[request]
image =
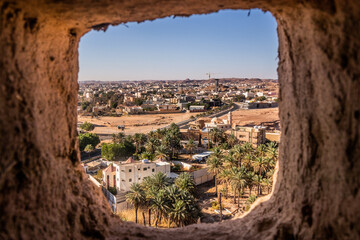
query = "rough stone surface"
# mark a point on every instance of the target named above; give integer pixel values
(45, 194)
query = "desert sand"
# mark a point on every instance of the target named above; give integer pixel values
(106, 126)
(266, 117)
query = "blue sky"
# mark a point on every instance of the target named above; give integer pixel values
(228, 44)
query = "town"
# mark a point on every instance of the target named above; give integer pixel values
(173, 153)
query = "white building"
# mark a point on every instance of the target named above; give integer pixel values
(221, 124)
(123, 174)
(249, 94)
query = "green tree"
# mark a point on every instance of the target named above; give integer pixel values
(136, 197)
(214, 166)
(85, 105)
(216, 135)
(163, 153)
(190, 146)
(185, 182)
(250, 180)
(232, 140)
(152, 144)
(238, 182)
(139, 139)
(257, 182)
(238, 154)
(88, 138)
(89, 148)
(114, 151)
(118, 137)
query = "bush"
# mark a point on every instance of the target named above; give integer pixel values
(87, 126)
(88, 138)
(99, 175)
(176, 168)
(216, 206)
(89, 148)
(113, 190)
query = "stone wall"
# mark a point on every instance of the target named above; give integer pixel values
(316, 194)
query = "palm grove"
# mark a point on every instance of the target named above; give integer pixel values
(167, 201)
(243, 168)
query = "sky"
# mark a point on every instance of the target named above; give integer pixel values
(227, 44)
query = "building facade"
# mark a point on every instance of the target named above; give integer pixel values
(123, 174)
(254, 135)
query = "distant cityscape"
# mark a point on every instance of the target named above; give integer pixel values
(133, 133)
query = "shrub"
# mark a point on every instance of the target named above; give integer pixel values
(87, 126)
(88, 138)
(113, 190)
(216, 206)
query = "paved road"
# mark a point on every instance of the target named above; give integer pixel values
(219, 114)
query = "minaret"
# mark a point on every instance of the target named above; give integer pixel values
(230, 118)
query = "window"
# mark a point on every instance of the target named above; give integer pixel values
(130, 179)
(153, 170)
(129, 170)
(145, 168)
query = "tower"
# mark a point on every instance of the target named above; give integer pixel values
(230, 119)
(216, 85)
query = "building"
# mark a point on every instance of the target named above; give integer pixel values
(133, 110)
(273, 136)
(123, 174)
(167, 107)
(254, 105)
(254, 135)
(223, 124)
(197, 108)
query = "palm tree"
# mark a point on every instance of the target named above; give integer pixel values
(214, 166)
(162, 153)
(136, 197)
(249, 159)
(229, 161)
(151, 145)
(267, 183)
(258, 181)
(158, 204)
(118, 138)
(225, 177)
(139, 139)
(238, 152)
(250, 180)
(261, 150)
(158, 180)
(217, 151)
(272, 151)
(178, 213)
(185, 182)
(232, 140)
(190, 146)
(259, 164)
(248, 148)
(217, 135)
(238, 182)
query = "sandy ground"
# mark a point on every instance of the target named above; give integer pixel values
(133, 123)
(266, 117)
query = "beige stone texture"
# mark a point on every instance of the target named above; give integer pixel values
(44, 192)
